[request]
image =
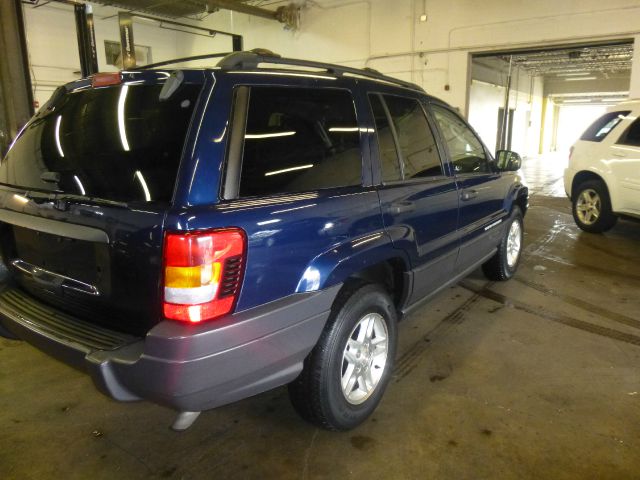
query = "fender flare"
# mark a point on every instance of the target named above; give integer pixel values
(341, 261)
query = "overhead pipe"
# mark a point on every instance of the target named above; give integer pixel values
(287, 15)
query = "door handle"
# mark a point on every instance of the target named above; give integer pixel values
(397, 208)
(469, 194)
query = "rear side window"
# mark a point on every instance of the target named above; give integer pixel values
(117, 143)
(599, 129)
(300, 139)
(632, 135)
(415, 140)
(389, 161)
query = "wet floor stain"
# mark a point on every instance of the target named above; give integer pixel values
(410, 359)
(583, 304)
(555, 317)
(437, 378)
(360, 442)
(168, 473)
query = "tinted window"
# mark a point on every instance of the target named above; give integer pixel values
(119, 143)
(599, 129)
(465, 149)
(632, 135)
(389, 162)
(416, 143)
(300, 139)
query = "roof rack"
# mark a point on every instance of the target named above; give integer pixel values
(181, 60)
(252, 59)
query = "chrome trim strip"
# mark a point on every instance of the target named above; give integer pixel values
(46, 277)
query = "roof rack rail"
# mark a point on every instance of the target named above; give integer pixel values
(181, 60)
(252, 59)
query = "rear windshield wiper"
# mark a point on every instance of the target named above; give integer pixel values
(90, 200)
(40, 195)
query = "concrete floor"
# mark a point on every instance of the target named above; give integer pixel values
(534, 378)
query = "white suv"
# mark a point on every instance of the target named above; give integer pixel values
(603, 177)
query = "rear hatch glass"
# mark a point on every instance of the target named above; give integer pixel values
(119, 143)
(95, 160)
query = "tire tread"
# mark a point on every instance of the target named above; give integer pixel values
(306, 392)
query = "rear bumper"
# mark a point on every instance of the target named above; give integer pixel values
(191, 367)
(567, 180)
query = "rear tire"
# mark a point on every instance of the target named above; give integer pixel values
(345, 375)
(503, 265)
(591, 207)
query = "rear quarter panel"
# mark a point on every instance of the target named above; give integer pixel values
(296, 242)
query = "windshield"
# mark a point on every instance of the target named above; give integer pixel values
(118, 143)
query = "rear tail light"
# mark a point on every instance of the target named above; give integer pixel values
(202, 274)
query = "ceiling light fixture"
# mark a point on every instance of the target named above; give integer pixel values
(572, 74)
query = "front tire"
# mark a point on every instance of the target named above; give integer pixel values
(592, 207)
(345, 375)
(503, 265)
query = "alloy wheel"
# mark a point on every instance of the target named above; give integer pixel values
(514, 243)
(588, 206)
(364, 358)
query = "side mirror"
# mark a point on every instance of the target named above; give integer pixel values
(508, 161)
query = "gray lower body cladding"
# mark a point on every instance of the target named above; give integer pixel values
(186, 367)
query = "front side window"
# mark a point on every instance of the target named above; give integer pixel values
(631, 136)
(299, 139)
(599, 129)
(465, 149)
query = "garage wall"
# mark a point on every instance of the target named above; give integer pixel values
(378, 33)
(53, 46)
(486, 97)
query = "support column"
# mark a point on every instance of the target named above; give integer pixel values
(16, 96)
(86, 39)
(634, 87)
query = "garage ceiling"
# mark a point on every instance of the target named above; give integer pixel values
(599, 60)
(197, 8)
(164, 8)
(585, 74)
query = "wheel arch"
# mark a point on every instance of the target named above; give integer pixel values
(370, 259)
(584, 176)
(518, 196)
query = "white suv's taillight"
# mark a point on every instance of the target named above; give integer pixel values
(202, 273)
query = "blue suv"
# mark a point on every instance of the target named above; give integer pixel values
(193, 237)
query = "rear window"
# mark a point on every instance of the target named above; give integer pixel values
(300, 139)
(599, 129)
(632, 135)
(415, 140)
(117, 143)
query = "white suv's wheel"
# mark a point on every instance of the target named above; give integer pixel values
(592, 207)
